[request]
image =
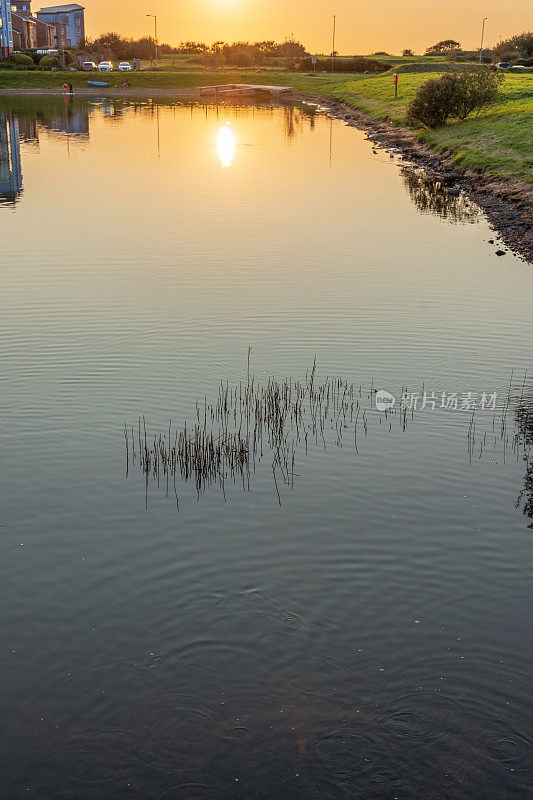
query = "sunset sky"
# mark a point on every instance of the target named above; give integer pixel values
(362, 27)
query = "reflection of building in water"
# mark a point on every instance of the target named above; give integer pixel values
(71, 119)
(430, 197)
(65, 120)
(28, 130)
(10, 165)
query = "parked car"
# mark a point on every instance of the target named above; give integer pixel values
(89, 66)
(503, 65)
(105, 66)
(125, 66)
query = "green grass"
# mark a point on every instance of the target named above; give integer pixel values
(500, 140)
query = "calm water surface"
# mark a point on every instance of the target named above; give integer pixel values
(370, 637)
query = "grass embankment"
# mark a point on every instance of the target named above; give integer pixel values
(499, 140)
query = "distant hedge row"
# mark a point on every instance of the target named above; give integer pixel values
(344, 65)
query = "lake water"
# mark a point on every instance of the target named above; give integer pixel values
(368, 634)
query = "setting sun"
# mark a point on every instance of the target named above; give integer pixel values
(225, 146)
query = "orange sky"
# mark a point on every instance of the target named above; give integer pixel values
(362, 27)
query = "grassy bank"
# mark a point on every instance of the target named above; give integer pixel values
(500, 140)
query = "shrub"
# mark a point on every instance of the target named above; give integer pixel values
(453, 95)
(49, 62)
(477, 91)
(21, 60)
(435, 102)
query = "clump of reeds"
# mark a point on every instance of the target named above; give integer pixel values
(250, 421)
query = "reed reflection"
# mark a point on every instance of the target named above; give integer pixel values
(524, 442)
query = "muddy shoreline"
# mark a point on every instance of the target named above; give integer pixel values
(507, 204)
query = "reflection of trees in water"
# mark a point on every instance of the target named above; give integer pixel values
(524, 440)
(430, 197)
(296, 119)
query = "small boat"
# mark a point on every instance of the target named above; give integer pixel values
(99, 84)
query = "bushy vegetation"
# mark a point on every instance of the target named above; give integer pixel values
(517, 47)
(476, 91)
(112, 46)
(357, 65)
(21, 61)
(49, 62)
(454, 95)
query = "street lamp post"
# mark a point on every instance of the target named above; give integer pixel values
(482, 35)
(333, 50)
(155, 35)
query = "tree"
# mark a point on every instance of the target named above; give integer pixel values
(446, 46)
(267, 47)
(407, 53)
(519, 46)
(192, 48)
(290, 48)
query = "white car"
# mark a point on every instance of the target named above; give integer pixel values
(89, 66)
(125, 66)
(105, 66)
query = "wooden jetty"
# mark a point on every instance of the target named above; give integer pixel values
(243, 90)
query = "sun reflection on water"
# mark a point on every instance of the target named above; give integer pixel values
(226, 146)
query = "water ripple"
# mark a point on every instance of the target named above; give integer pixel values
(420, 717)
(347, 753)
(179, 729)
(508, 749)
(192, 791)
